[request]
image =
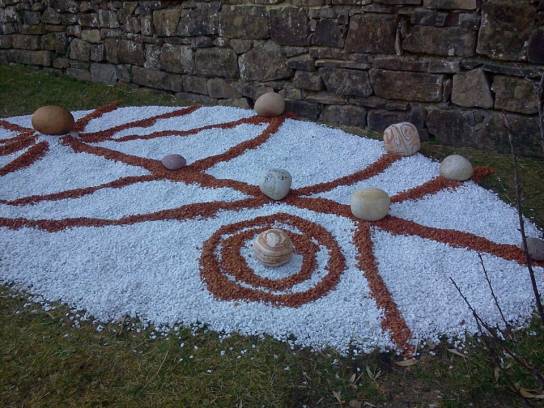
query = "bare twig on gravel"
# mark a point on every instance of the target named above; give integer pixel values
(499, 341)
(506, 325)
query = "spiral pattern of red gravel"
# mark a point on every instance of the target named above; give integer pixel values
(230, 279)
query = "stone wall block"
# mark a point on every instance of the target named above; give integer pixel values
(301, 63)
(97, 52)
(80, 50)
(410, 86)
(506, 29)
(444, 41)
(308, 80)
(152, 56)
(346, 82)
(248, 23)
(329, 33)
(264, 63)
(372, 33)
(471, 89)
(216, 62)
(54, 42)
(88, 20)
(105, 73)
(107, 19)
(92, 36)
(41, 58)
(305, 109)
(221, 89)
(26, 42)
(515, 95)
(344, 115)
(176, 58)
(165, 22)
(195, 84)
(197, 22)
(51, 16)
(124, 51)
(5, 41)
(65, 6)
(451, 4)
(289, 26)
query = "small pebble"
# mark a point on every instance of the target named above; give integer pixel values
(173, 161)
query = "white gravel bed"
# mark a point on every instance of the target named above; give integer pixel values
(150, 270)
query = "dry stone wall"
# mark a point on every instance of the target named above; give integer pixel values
(452, 67)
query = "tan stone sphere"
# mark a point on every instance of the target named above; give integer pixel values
(52, 120)
(370, 204)
(402, 138)
(273, 247)
(270, 104)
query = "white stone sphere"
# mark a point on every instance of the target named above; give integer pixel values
(370, 204)
(402, 138)
(456, 167)
(276, 183)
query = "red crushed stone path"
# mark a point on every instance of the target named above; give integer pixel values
(231, 237)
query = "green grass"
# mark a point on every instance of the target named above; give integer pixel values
(46, 361)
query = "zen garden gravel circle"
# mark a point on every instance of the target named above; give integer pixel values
(93, 219)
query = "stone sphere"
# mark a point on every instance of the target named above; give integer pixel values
(52, 120)
(370, 204)
(402, 138)
(270, 104)
(273, 247)
(535, 247)
(276, 183)
(173, 161)
(456, 167)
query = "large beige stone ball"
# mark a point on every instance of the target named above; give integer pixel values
(370, 204)
(456, 167)
(402, 138)
(52, 120)
(270, 104)
(273, 247)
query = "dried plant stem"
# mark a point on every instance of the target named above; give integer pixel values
(506, 325)
(500, 342)
(517, 183)
(539, 89)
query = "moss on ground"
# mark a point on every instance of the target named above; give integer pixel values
(45, 360)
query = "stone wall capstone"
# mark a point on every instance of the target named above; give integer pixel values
(452, 67)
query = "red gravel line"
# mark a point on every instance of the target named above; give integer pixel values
(185, 212)
(19, 144)
(28, 158)
(80, 192)
(454, 238)
(82, 122)
(255, 120)
(142, 123)
(393, 322)
(372, 170)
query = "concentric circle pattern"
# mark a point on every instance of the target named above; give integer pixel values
(93, 219)
(228, 276)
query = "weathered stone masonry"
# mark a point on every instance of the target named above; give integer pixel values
(449, 66)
